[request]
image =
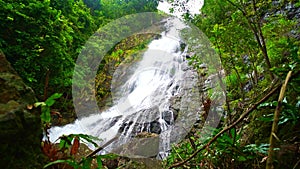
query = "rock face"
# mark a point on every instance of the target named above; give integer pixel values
(20, 128)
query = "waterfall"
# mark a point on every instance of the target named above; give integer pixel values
(154, 108)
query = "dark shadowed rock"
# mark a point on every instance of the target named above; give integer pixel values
(20, 128)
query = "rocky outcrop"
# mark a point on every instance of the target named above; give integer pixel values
(20, 127)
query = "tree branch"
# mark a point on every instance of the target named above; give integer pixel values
(275, 123)
(102, 147)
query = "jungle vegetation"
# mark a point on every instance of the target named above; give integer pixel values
(257, 42)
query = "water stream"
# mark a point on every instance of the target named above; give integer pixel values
(155, 107)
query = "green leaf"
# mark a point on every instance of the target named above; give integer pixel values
(10, 18)
(268, 104)
(86, 137)
(37, 104)
(55, 96)
(233, 132)
(263, 148)
(87, 163)
(68, 161)
(266, 118)
(62, 143)
(46, 116)
(284, 120)
(9, 6)
(51, 100)
(225, 139)
(242, 158)
(109, 156)
(99, 162)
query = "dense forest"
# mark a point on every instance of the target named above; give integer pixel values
(257, 42)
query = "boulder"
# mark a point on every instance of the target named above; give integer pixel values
(20, 126)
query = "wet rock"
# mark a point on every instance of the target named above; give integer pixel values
(168, 116)
(155, 127)
(139, 147)
(20, 127)
(175, 104)
(146, 135)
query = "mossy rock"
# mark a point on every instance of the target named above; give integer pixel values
(20, 126)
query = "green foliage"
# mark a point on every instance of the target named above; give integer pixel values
(84, 164)
(66, 141)
(246, 35)
(114, 9)
(68, 161)
(47, 38)
(254, 149)
(290, 113)
(45, 108)
(281, 43)
(226, 152)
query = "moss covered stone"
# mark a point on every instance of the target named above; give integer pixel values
(20, 127)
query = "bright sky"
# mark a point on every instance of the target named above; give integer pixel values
(193, 6)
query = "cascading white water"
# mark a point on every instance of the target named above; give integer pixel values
(143, 103)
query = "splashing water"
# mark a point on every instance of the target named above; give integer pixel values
(154, 108)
